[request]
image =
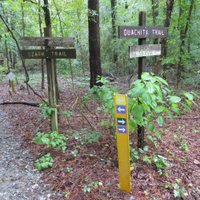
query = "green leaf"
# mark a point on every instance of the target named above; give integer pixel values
(161, 80)
(150, 127)
(138, 112)
(132, 124)
(186, 106)
(189, 96)
(37, 140)
(147, 159)
(176, 110)
(174, 99)
(160, 109)
(160, 120)
(146, 76)
(150, 88)
(45, 140)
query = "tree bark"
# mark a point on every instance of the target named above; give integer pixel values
(114, 30)
(183, 35)
(156, 60)
(41, 34)
(94, 42)
(20, 102)
(51, 71)
(169, 9)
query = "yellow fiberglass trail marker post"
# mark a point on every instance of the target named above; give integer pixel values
(122, 133)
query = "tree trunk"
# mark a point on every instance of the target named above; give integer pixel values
(156, 60)
(94, 42)
(183, 35)
(51, 71)
(23, 21)
(114, 30)
(169, 9)
(41, 35)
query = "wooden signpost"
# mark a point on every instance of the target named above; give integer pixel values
(142, 31)
(50, 53)
(122, 134)
(142, 50)
(52, 42)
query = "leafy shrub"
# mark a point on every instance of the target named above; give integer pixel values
(45, 110)
(44, 162)
(52, 139)
(85, 136)
(161, 163)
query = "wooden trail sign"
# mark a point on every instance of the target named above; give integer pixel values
(141, 32)
(52, 53)
(52, 41)
(144, 50)
(123, 148)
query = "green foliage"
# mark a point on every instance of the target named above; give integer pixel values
(66, 114)
(51, 139)
(74, 153)
(161, 163)
(184, 146)
(69, 169)
(104, 95)
(44, 162)
(179, 192)
(149, 99)
(94, 184)
(134, 155)
(85, 136)
(45, 110)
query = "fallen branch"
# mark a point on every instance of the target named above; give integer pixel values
(21, 102)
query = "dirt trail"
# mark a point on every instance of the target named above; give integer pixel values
(18, 179)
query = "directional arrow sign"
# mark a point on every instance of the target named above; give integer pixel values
(122, 135)
(121, 121)
(121, 109)
(122, 129)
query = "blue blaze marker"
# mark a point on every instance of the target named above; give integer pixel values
(121, 109)
(122, 129)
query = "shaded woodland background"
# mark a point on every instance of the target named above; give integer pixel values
(179, 63)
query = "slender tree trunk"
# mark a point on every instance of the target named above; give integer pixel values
(156, 60)
(79, 38)
(114, 29)
(51, 71)
(183, 35)
(94, 42)
(41, 35)
(169, 9)
(59, 18)
(7, 56)
(23, 21)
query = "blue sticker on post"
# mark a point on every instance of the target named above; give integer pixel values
(121, 109)
(122, 129)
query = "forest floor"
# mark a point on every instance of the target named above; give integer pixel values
(76, 174)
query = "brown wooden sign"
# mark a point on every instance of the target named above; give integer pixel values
(144, 50)
(43, 41)
(141, 32)
(52, 53)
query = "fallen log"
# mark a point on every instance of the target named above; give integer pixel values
(20, 102)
